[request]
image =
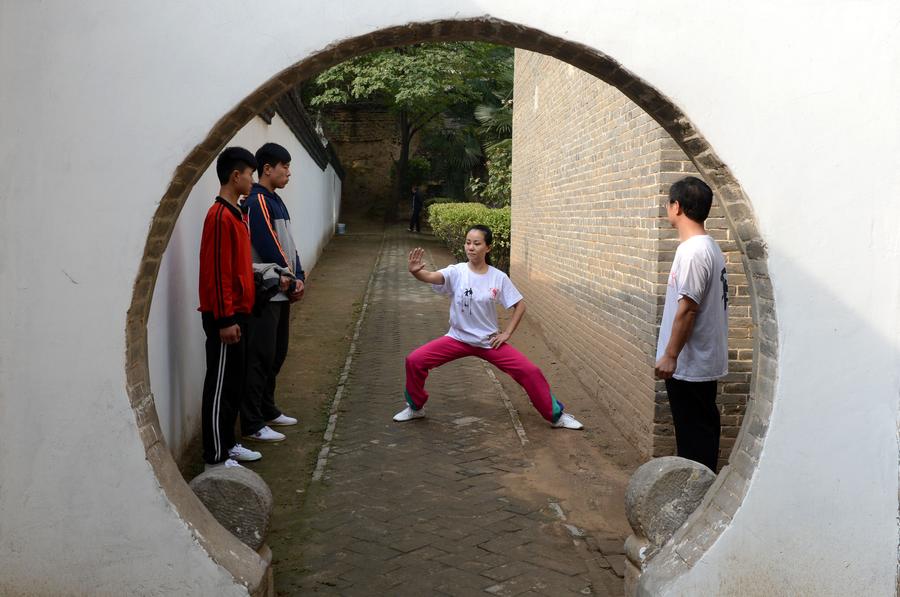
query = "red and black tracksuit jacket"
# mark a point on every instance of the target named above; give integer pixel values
(226, 266)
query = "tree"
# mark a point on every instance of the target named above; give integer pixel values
(417, 83)
(455, 152)
(495, 118)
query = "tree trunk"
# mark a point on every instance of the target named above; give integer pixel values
(402, 186)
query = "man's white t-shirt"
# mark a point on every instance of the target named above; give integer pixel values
(473, 303)
(698, 272)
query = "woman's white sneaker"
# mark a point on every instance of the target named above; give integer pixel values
(265, 435)
(282, 420)
(567, 421)
(242, 454)
(408, 414)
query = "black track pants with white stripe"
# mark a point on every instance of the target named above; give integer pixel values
(226, 366)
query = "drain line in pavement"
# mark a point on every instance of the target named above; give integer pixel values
(339, 392)
(513, 413)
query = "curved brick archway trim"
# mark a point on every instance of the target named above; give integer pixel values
(726, 495)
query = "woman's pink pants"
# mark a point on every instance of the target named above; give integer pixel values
(506, 358)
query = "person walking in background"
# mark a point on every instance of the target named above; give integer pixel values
(692, 352)
(226, 300)
(269, 330)
(417, 203)
(475, 288)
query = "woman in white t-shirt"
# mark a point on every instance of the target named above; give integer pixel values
(475, 288)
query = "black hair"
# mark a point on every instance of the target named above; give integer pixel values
(271, 154)
(694, 196)
(488, 238)
(233, 158)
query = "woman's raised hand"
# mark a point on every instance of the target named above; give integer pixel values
(416, 260)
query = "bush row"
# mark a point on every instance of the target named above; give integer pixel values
(451, 221)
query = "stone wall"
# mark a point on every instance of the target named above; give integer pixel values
(591, 248)
(367, 139)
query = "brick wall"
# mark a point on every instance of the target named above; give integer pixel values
(591, 248)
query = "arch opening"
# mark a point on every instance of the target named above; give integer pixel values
(726, 495)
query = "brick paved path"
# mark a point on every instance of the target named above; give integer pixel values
(427, 507)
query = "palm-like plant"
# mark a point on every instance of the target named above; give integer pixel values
(495, 119)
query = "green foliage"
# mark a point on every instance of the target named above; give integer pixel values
(496, 191)
(434, 90)
(433, 200)
(495, 130)
(454, 152)
(419, 170)
(451, 221)
(496, 118)
(421, 81)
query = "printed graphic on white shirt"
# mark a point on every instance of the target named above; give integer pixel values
(474, 300)
(698, 273)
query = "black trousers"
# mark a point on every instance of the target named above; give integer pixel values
(696, 418)
(223, 388)
(414, 219)
(267, 346)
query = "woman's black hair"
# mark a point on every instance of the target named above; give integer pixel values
(488, 238)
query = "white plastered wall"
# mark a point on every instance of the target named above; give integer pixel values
(174, 333)
(102, 100)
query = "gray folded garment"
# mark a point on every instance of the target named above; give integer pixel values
(267, 277)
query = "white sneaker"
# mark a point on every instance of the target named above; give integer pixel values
(224, 464)
(282, 420)
(567, 421)
(242, 454)
(265, 435)
(408, 414)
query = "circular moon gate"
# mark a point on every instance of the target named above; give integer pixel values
(727, 493)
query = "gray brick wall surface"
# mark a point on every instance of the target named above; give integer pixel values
(591, 249)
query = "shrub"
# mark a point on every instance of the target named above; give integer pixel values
(496, 191)
(432, 200)
(451, 221)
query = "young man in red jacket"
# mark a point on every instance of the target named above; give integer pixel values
(227, 293)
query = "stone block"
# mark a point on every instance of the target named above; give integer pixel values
(239, 500)
(662, 494)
